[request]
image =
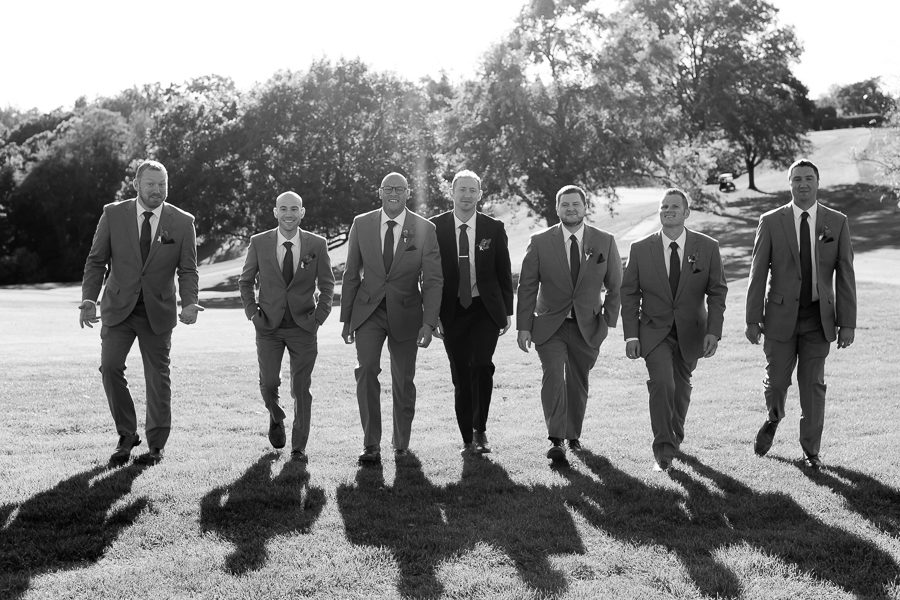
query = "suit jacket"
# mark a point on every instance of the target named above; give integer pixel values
(546, 294)
(776, 258)
(648, 307)
(116, 246)
(493, 273)
(262, 267)
(365, 283)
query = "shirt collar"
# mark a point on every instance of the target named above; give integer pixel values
(470, 222)
(812, 210)
(294, 240)
(681, 240)
(399, 219)
(578, 233)
(141, 209)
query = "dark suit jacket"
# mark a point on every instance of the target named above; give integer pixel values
(546, 294)
(262, 267)
(366, 284)
(648, 307)
(116, 245)
(776, 259)
(493, 273)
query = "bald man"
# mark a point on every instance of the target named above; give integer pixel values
(287, 264)
(391, 250)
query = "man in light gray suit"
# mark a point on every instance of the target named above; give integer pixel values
(390, 250)
(288, 264)
(562, 310)
(140, 246)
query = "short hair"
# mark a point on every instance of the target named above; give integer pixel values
(465, 173)
(803, 162)
(674, 191)
(294, 195)
(571, 189)
(151, 165)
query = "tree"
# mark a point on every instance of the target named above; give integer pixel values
(863, 97)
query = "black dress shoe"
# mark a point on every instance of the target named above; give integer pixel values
(556, 453)
(574, 445)
(276, 434)
(812, 461)
(765, 437)
(479, 438)
(371, 455)
(468, 449)
(401, 452)
(299, 456)
(123, 449)
(153, 457)
(662, 465)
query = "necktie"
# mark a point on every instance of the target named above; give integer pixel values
(387, 253)
(674, 267)
(805, 262)
(287, 265)
(145, 236)
(574, 258)
(465, 275)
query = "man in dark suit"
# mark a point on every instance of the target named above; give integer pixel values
(288, 265)
(803, 251)
(390, 250)
(666, 321)
(475, 306)
(140, 246)
(562, 309)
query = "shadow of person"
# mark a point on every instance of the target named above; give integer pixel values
(871, 499)
(486, 501)
(256, 507)
(65, 527)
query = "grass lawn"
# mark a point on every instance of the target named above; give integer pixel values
(224, 517)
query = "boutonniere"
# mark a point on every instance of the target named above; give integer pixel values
(825, 235)
(304, 262)
(692, 260)
(484, 244)
(405, 235)
(163, 238)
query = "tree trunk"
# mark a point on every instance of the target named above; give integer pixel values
(751, 181)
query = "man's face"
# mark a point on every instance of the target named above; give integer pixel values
(804, 186)
(394, 193)
(152, 188)
(288, 211)
(570, 209)
(673, 211)
(466, 194)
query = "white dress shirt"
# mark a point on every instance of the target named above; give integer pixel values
(154, 220)
(398, 228)
(667, 251)
(798, 218)
(567, 239)
(295, 249)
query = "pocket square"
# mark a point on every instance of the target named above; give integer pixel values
(411, 248)
(164, 242)
(600, 258)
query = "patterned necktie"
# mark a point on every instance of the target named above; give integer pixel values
(287, 265)
(805, 262)
(145, 236)
(574, 258)
(387, 253)
(674, 268)
(465, 276)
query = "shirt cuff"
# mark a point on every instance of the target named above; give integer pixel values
(632, 340)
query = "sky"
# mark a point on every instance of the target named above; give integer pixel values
(57, 51)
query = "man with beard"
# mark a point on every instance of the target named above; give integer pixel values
(562, 310)
(140, 246)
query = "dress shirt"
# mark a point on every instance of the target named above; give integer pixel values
(154, 220)
(295, 249)
(398, 228)
(667, 251)
(798, 217)
(470, 233)
(567, 239)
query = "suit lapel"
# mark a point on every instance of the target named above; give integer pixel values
(482, 231)
(787, 225)
(164, 218)
(587, 241)
(130, 227)
(658, 258)
(690, 247)
(558, 241)
(268, 249)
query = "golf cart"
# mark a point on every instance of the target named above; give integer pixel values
(726, 182)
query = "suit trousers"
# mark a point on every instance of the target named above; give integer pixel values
(370, 339)
(470, 341)
(302, 350)
(566, 360)
(807, 350)
(115, 344)
(670, 395)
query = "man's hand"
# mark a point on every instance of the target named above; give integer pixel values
(846, 335)
(524, 340)
(348, 335)
(753, 332)
(710, 343)
(88, 314)
(633, 349)
(188, 314)
(439, 330)
(424, 337)
(505, 329)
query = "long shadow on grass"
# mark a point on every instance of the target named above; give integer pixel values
(717, 512)
(257, 507)
(423, 525)
(871, 499)
(65, 527)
